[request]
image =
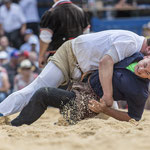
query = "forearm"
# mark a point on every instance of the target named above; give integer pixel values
(1, 27)
(105, 76)
(6, 84)
(43, 48)
(3, 89)
(23, 28)
(1, 30)
(99, 107)
(119, 115)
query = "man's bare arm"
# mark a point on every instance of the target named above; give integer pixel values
(98, 107)
(1, 30)
(6, 84)
(119, 115)
(105, 75)
(23, 28)
(43, 49)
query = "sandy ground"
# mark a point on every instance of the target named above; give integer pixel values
(91, 134)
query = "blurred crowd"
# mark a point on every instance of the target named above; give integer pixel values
(19, 45)
(116, 8)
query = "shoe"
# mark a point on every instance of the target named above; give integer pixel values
(16, 122)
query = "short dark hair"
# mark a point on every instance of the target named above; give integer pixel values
(148, 41)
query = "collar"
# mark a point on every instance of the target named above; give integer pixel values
(61, 2)
(127, 61)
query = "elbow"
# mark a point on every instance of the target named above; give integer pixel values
(102, 62)
(106, 61)
(109, 103)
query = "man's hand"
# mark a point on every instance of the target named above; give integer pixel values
(96, 106)
(42, 61)
(101, 106)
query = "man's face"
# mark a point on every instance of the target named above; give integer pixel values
(7, 4)
(147, 51)
(142, 69)
(4, 42)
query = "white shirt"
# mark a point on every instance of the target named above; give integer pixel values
(30, 10)
(119, 44)
(11, 19)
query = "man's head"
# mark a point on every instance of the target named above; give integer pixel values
(26, 68)
(146, 47)
(142, 69)
(7, 3)
(4, 42)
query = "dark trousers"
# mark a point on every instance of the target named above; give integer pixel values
(15, 38)
(39, 102)
(34, 26)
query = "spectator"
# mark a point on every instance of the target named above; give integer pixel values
(30, 7)
(124, 5)
(31, 42)
(62, 22)
(4, 43)
(4, 84)
(22, 56)
(11, 68)
(12, 22)
(25, 75)
(33, 57)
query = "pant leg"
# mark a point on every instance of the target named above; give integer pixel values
(15, 38)
(39, 102)
(51, 76)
